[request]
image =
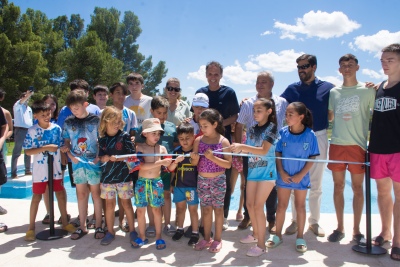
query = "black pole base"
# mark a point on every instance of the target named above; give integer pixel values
(47, 236)
(374, 250)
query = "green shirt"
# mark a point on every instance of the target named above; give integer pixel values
(352, 108)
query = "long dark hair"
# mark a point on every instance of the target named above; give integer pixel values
(268, 104)
(301, 109)
(212, 116)
(55, 114)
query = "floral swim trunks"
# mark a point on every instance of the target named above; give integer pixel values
(149, 191)
(124, 190)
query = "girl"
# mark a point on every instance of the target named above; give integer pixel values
(115, 178)
(211, 183)
(261, 171)
(297, 141)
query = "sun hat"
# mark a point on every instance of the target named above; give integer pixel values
(151, 125)
(200, 100)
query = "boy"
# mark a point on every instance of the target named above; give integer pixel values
(184, 184)
(350, 110)
(80, 137)
(137, 101)
(384, 147)
(159, 110)
(149, 189)
(100, 95)
(41, 138)
(118, 93)
(199, 104)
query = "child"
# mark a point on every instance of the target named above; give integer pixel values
(100, 95)
(115, 177)
(159, 110)
(261, 171)
(149, 189)
(137, 101)
(199, 104)
(184, 184)
(211, 183)
(42, 137)
(80, 136)
(237, 168)
(297, 141)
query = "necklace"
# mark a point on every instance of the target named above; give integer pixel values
(154, 150)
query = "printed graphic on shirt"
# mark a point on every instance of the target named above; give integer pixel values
(385, 104)
(346, 106)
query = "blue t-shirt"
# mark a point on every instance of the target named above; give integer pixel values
(316, 98)
(261, 169)
(65, 112)
(185, 172)
(117, 171)
(129, 117)
(38, 137)
(167, 139)
(225, 101)
(82, 134)
(300, 145)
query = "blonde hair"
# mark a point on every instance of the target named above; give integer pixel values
(108, 115)
(173, 79)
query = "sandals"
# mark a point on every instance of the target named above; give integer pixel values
(160, 244)
(68, 218)
(79, 234)
(215, 247)
(124, 227)
(30, 235)
(108, 238)
(46, 219)
(359, 239)
(91, 224)
(336, 236)
(274, 241)
(99, 231)
(255, 251)
(133, 236)
(169, 230)
(151, 231)
(248, 239)
(301, 245)
(3, 227)
(139, 242)
(395, 254)
(203, 244)
(379, 241)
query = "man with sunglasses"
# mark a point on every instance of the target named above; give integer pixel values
(223, 99)
(314, 93)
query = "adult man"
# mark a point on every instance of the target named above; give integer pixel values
(314, 93)
(264, 84)
(223, 99)
(385, 148)
(23, 119)
(350, 110)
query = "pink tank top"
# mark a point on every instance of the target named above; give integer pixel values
(206, 165)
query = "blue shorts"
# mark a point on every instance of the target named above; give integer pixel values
(87, 176)
(188, 194)
(149, 192)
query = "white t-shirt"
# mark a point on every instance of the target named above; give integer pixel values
(141, 107)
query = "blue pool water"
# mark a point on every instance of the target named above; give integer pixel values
(326, 202)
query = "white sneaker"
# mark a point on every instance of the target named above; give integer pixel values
(225, 225)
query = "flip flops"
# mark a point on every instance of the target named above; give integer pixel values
(30, 235)
(301, 245)
(99, 231)
(336, 236)
(160, 244)
(379, 241)
(108, 238)
(80, 234)
(139, 242)
(274, 241)
(395, 254)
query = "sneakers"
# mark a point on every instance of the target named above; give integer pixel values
(70, 228)
(178, 234)
(188, 232)
(225, 225)
(292, 229)
(245, 223)
(317, 230)
(194, 238)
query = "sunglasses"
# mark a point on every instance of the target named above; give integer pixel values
(303, 67)
(176, 89)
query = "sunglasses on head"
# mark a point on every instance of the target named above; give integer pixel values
(176, 89)
(303, 67)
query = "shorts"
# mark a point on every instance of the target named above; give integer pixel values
(188, 194)
(149, 192)
(212, 190)
(385, 165)
(87, 176)
(124, 190)
(237, 163)
(166, 179)
(352, 153)
(40, 188)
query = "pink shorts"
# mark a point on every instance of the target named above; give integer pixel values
(385, 165)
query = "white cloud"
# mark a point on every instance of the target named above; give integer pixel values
(284, 61)
(267, 33)
(374, 75)
(237, 75)
(251, 66)
(318, 24)
(375, 43)
(200, 74)
(332, 79)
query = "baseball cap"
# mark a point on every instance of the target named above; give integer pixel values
(200, 100)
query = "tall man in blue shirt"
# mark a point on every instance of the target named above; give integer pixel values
(23, 119)
(314, 93)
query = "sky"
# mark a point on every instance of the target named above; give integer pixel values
(247, 37)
